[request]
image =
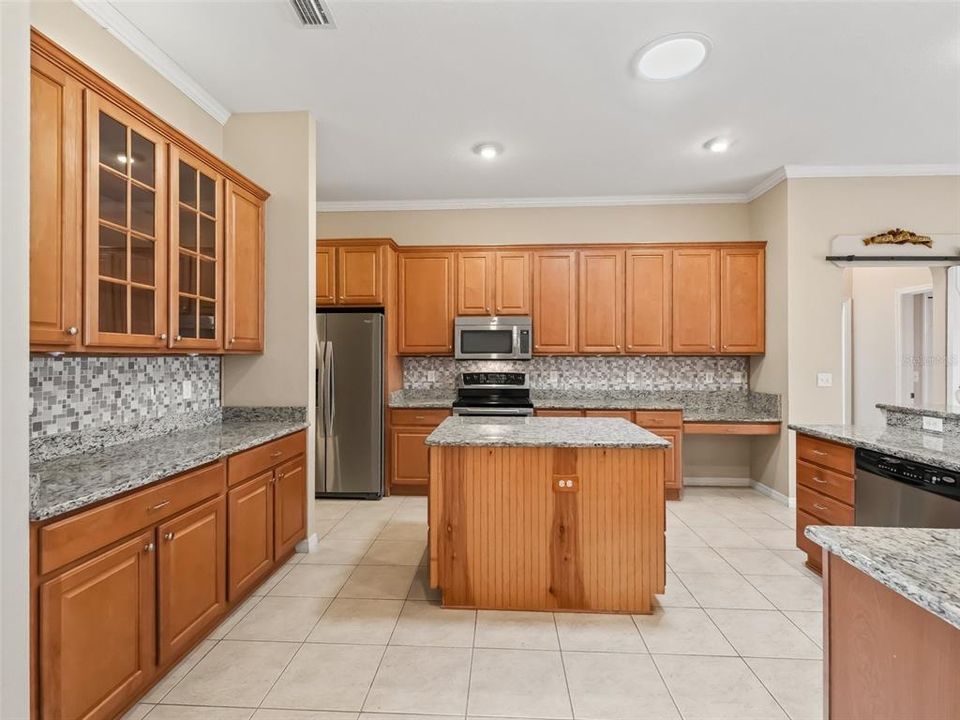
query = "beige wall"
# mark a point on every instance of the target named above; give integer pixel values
(518, 226)
(67, 25)
(279, 151)
(14, 399)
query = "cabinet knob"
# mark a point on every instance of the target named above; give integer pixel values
(72, 330)
(149, 547)
(177, 338)
(169, 536)
(163, 336)
(232, 340)
(280, 476)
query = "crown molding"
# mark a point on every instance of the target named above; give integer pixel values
(536, 202)
(116, 23)
(765, 185)
(867, 171)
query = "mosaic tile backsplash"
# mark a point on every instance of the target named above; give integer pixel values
(590, 373)
(71, 394)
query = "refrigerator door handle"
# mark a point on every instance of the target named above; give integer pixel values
(328, 388)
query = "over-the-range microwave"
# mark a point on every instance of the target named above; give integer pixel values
(507, 337)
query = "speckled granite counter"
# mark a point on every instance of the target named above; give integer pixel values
(543, 432)
(949, 411)
(921, 564)
(714, 406)
(938, 449)
(74, 481)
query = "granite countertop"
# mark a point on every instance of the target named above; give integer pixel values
(74, 481)
(921, 564)
(697, 406)
(942, 450)
(940, 410)
(543, 432)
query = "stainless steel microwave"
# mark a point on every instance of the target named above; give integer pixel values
(507, 337)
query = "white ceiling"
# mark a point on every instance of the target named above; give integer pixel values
(402, 90)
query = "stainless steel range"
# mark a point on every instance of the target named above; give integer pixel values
(493, 394)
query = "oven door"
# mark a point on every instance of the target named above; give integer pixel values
(486, 342)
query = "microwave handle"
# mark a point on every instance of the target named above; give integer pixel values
(516, 341)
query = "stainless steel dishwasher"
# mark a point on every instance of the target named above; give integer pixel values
(893, 492)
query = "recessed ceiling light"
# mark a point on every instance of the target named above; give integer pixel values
(673, 56)
(488, 150)
(717, 144)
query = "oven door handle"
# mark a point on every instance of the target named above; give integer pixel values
(492, 412)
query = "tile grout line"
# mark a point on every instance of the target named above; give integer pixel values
(383, 654)
(473, 652)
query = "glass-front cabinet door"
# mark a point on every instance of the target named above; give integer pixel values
(126, 231)
(196, 254)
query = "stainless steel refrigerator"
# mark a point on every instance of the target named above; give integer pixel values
(349, 418)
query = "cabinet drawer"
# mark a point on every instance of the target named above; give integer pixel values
(558, 413)
(418, 416)
(245, 465)
(830, 511)
(658, 418)
(837, 486)
(67, 540)
(825, 453)
(625, 414)
(814, 552)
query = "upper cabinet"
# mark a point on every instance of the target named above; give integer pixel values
(601, 302)
(244, 270)
(493, 282)
(475, 282)
(555, 302)
(135, 229)
(425, 290)
(512, 285)
(742, 300)
(648, 300)
(352, 272)
(56, 162)
(696, 300)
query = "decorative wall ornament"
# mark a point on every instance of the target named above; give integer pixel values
(899, 236)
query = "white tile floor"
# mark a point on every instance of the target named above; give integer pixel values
(352, 630)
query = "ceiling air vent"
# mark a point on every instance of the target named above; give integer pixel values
(312, 13)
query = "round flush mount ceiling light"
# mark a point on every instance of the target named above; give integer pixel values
(672, 56)
(488, 150)
(717, 145)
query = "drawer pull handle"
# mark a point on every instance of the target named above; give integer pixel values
(818, 480)
(819, 452)
(158, 506)
(169, 536)
(419, 417)
(149, 547)
(276, 454)
(280, 476)
(819, 507)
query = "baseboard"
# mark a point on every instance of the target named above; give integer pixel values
(310, 543)
(773, 494)
(716, 482)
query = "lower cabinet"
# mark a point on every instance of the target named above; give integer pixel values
(290, 507)
(250, 534)
(409, 456)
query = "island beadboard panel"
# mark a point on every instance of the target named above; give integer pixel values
(589, 521)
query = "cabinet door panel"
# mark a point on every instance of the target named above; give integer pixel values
(125, 267)
(97, 633)
(742, 300)
(555, 302)
(250, 534)
(290, 506)
(409, 456)
(425, 299)
(56, 197)
(359, 275)
(648, 301)
(696, 300)
(192, 575)
(512, 283)
(601, 301)
(326, 276)
(196, 254)
(475, 279)
(244, 271)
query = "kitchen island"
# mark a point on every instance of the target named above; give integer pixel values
(547, 514)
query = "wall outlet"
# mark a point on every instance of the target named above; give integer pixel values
(554, 376)
(187, 389)
(431, 375)
(737, 376)
(824, 379)
(708, 377)
(933, 424)
(631, 377)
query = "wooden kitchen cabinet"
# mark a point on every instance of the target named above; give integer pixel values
(244, 280)
(696, 301)
(56, 201)
(196, 254)
(409, 456)
(326, 275)
(600, 321)
(360, 275)
(250, 534)
(425, 288)
(125, 268)
(742, 300)
(290, 506)
(475, 283)
(96, 629)
(649, 301)
(555, 302)
(667, 424)
(512, 285)
(192, 576)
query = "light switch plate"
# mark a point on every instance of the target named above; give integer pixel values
(187, 389)
(933, 424)
(824, 379)
(431, 375)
